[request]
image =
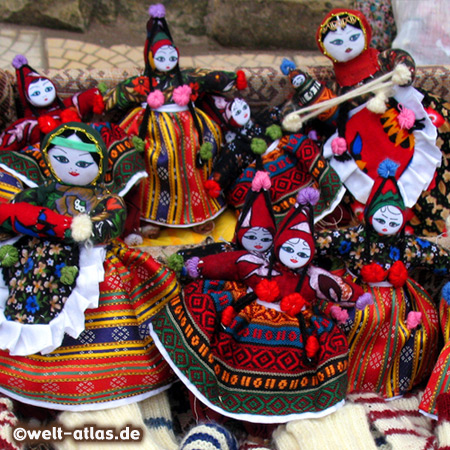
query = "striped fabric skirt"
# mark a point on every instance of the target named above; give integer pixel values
(114, 360)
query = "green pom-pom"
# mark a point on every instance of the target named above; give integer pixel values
(102, 87)
(68, 274)
(258, 146)
(206, 151)
(274, 132)
(8, 256)
(175, 262)
(138, 143)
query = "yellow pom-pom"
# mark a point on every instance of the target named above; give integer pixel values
(402, 75)
(81, 228)
(292, 123)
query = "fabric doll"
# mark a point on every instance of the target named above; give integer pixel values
(393, 343)
(42, 109)
(292, 161)
(75, 300)
(179, 140)
(262, 339)
(395, 120)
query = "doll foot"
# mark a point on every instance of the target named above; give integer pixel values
(204, 228)
(150, 231)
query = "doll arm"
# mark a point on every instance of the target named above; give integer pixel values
(19, 134)
(423, 253)
(217, 267)
(108, 219)
(127, 94)
(213, 81)
(86, 102)
(389, 59)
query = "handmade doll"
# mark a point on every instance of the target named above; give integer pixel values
(393, 343)
(261, 339)
(179, 140)
(76, 301)
(395, 120)
(42, 109)
(292, 161)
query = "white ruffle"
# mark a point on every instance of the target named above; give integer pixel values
(26, 339)
(420, 171)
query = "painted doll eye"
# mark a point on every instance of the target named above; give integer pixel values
(61, 158)
(266, 240)
(36, 94)
(354, 37)
(49, 89)
(287, 249)
(393, 224)
(337, 42)
(173, 58)
(302, 255)
(160, 58)
(83, 164)
(381, 221)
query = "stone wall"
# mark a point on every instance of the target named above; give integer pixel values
(252, 24)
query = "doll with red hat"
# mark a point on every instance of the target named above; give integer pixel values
(261, 338)
(396, 118)
(179, 140)
(393, 343)
(41, 109)
(75, 301)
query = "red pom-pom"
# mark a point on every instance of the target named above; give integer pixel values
(228, 315)
(312, 346)
(267, 290)
(398, 274)
(292, 304)
(69, 115)
(373, 273)
(212, 187)
(98, 105)
(47, 124)
(241, 80)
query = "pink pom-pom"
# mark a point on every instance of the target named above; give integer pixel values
(261, 181)
(19, 61)
(413, 320)
(308, 196)
(182, 95)
(158, 10)
(364, 300)
(338, 314)
(192, 267)
(155, 99)
(406, 118)
(338, 146)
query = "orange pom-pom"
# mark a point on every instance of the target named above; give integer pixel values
(47, 124)
(228, 315)
(373, 273)
(98, 105)
(241, 80)
(398, 274)
(292, 304)
(69, 115)
(312, 346)
(212, 187)
(267, 290)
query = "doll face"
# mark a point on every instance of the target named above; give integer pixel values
(387, 220)
(257, 239)
(298, 80)
(166, 58)
(295, 253)
(41, 93)
(344, 44)
(240, 112)
(71, 166)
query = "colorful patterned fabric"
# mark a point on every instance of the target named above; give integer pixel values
(114, 360)
(9, 186)
(397, 361)
(255, 369)
(172, 147)
(293, 165)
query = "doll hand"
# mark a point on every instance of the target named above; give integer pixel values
(81, 228)
(192, 267)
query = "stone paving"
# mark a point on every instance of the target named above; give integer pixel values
(45, 52)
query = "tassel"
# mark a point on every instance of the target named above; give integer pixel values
(292, 304)
(260, 181)
(192, 267)
(364, 300)
(413, 320)
(155, 99)
(308, 196)
(338, 146)
(402, 75)
(292, 123)
(182, 95)
(69, 115)
(398, 274)
(227, 316)
(377, 104)
(339, 314)
(312, 346)
(241, 80)
(47, 124)
(212, 188)
(267, 290)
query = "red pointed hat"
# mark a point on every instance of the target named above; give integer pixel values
(257, 210)
(298, 223)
